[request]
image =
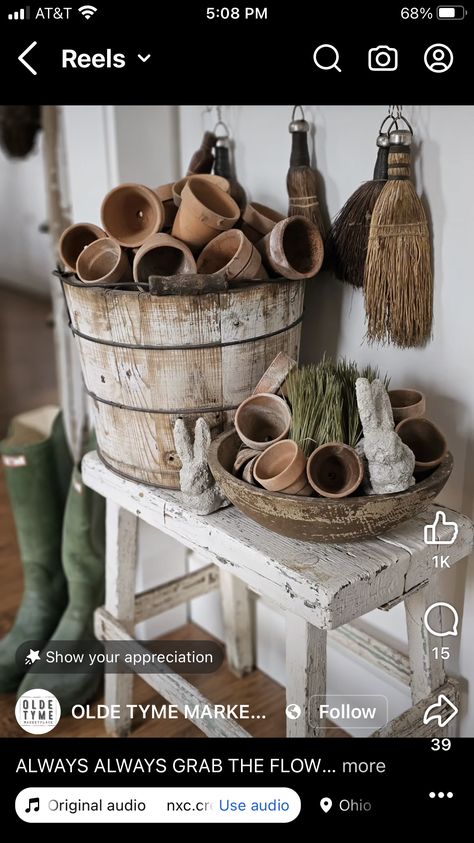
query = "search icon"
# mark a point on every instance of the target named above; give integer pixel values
(326, 66)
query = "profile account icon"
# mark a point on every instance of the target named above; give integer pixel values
(438, 58)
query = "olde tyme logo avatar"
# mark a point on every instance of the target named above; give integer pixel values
(37, 711)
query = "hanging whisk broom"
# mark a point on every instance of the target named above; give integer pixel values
(302, 180)
(398, 282)
(223, 166)
(348, 237)
(203, 159)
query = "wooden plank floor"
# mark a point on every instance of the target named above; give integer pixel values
(27, 367)
(26, 382)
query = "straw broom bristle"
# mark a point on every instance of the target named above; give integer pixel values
(398, 275)
(348, 238)
(349, 235)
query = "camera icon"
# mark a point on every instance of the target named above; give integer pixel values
(383, 58)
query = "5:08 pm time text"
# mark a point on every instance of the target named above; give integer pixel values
(250, 13)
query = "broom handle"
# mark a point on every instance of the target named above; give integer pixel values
(299, 150)
(203, 159)
(222, 162)
(381, 164)
(399, 163)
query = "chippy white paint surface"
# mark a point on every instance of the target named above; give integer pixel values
(326, 584)
(263, 561)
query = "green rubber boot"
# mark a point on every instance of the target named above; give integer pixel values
(83, 553)
(36, 464)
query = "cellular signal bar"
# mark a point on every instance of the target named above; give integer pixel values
(21, 14)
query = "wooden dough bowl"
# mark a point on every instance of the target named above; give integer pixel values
(319, 519)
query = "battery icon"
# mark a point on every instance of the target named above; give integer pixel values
(450, 12)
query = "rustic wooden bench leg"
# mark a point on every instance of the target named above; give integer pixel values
(237, 611)
(306, 655)
(120, 569)
(427, 673)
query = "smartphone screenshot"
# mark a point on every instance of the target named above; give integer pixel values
(236, 417)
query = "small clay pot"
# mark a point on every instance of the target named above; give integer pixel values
(162, 254)
(406, 404)
(301, 488)
(293, 248)
(165, 194)
(262, 420)
(335, 470)
(219, 181)
(281, 467)
(74, 239)
(247, 473)
(233, 255)
(205, 212)
(131, 213)
(425, 440)
(258, 220)
(103, 262)
(244, 455)
(273, 379)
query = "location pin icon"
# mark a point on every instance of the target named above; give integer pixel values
(326, 804)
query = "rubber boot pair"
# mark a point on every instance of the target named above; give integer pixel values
(81, 573)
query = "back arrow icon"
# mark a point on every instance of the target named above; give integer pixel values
(25, 53)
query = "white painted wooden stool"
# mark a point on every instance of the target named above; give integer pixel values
(319, 587)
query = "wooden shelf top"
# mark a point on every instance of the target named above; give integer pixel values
(327, 584)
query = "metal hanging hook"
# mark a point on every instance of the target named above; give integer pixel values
(220, 123)
(294, 112)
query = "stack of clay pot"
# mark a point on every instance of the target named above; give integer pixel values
(267, 457)
(421, 435)
(188, 227)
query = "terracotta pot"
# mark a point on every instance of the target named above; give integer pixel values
(406, 404)
(247, 473)
(165, 194)
(233, 255)
(281, 466)
(273, 379)
(244, 456)
(258, 220)
(219, 181)
(425, 440)
(103, 262)
(301, 487)
(335, 470)
(262, 420)
(205, 212)
(74, 239)
(131, 213)
(293, 248)
(162, 254)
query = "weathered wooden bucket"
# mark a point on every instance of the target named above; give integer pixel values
(148, 360)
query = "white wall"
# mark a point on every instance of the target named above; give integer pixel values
(25, 253)
(334, 319)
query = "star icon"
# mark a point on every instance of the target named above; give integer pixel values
(32, 657)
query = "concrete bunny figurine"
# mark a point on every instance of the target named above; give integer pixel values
(197, 483)
(390, 461)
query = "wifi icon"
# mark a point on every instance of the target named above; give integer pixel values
(87, 11)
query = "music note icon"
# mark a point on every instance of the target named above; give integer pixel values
(33, 803)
